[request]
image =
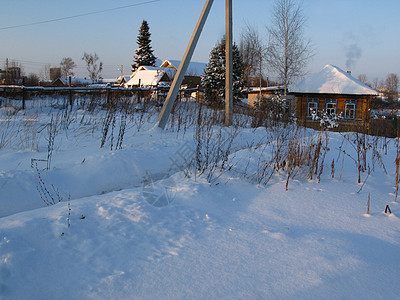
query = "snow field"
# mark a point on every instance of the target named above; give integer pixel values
(229, 239)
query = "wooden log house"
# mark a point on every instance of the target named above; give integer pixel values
(332, 91)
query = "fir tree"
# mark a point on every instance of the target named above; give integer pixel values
(213, 78)
(144, 54)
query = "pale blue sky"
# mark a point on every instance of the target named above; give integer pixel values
(369, 28)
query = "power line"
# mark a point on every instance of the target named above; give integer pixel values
(78, 16)
(27, 62)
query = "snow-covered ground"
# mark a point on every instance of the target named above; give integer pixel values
(142, 224)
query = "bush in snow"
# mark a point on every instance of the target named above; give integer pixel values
(274, 110)
(327, 121)
(213, 144)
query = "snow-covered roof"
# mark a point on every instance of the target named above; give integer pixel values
(109, 80)
(169, 71)
(332, 80)
(265, 89)
(148, 76)
(194, 68)
(80, 81)
(125, 78)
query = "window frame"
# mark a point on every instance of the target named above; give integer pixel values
(312, 101)
(350, 102)
(327, 102)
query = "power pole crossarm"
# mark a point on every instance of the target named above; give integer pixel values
(173, 91)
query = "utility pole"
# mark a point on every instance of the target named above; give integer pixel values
(6, 70)
(122, 70)
(229, 65)
(173, 91)
(259, 100)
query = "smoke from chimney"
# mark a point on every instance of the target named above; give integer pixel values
(353, 53)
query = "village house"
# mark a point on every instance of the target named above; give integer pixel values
(107, 82)
(193, 73)
(122, 80)
(256, 94)
(148, 77)
(75, 82)
(331, 91)
(151, 77)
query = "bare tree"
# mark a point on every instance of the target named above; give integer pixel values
(392, 85)
(31, 80)
(363, 78)
(94, 68)
(15, 64)
(376, 84)
(45, 72)
(251, 51)
(288, 52)
(67, 65)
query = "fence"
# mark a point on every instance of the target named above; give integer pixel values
(28, 97)
(378, 127)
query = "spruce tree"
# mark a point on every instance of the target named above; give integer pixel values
(213, 78)
(144, 54)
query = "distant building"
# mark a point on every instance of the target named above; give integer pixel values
(55, 73)
(11, 76)
(108, 81)
(2, 76)
(147, 76)
(255, 97)
(193, 73)
(122, 80)
(77, 82)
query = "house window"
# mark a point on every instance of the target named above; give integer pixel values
(312, 108)
(330, 107)
(350, 110)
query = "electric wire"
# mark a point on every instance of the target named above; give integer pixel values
(78, 16)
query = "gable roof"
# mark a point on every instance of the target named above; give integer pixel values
(74, 81)
(149, 76)
(123, 78)
(332, 80)
(169, 71)
(194, 68)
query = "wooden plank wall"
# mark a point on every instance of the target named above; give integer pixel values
(362, 110)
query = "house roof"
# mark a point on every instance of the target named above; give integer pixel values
(265, 89)
(148, 76)
(125, 78)
(169, 71)
(332, 80)
(75, 81)
(194, 68)
(109, 80)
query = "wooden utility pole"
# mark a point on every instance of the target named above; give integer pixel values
(71, 101)
(173, 91)
(259, 100)
(7, 81)
(229, 65)
(23, 93)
